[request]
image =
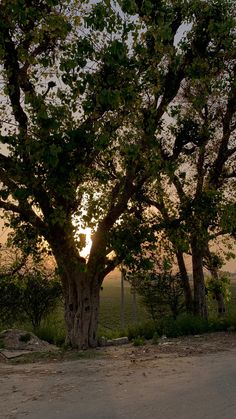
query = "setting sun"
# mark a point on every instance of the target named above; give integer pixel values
(85, 251)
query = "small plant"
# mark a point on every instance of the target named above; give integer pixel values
(2, 344)
(111, 334)
(145, 329)
(52, 328)
(219, 286)
(155, 339)
(51, 334)
(25, 338)
(139, 341)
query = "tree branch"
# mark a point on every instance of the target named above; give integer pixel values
(230, 175)
(25, 211)
(231, 151)
(11, 178)
(7, 181)
(12, 69)
(224, 153)
(179, 188)
(111, 265)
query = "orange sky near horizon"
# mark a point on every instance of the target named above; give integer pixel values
(230, 266)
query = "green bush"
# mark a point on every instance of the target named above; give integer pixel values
(184, 325)
(145, 329)
(155, 339)
(40, 295)
(50, 334)
(10, 297)
(218, 286)
(28, 297)
(111, 333)
(52, 328)
(223, 323)
(162, 293)
(139, 341)
(25, 338)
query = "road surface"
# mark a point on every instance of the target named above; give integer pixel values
(124, 384)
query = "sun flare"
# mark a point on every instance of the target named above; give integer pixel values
(86, 250)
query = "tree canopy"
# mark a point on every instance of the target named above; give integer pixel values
(86, 91)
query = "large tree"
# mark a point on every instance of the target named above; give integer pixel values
(85, 89)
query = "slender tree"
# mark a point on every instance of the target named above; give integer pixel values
(202, 176)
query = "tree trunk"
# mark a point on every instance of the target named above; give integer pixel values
(200, 302)
(185, 281)
(81, 291)
(81, 314)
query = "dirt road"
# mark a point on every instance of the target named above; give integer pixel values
(190, 378)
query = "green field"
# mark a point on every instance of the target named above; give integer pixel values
(110, 304)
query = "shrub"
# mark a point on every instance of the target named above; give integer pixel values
(28, 297)
(111, 334)
(223, 323)
(25, 338)
(155, 339)
(52, 328)
(50, 334)
(146, 329)
(10, 301)
(162, 294)
(220, 285)
(184, 325)
(139, 341)
(40, 295)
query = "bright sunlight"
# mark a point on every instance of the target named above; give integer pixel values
(85, 251)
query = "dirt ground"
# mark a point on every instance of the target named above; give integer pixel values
(183, 378)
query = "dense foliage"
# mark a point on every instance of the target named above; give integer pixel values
(162, 294)
(86, 90)
(29, 297)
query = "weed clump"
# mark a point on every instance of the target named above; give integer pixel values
(25, 338)
(139, 341)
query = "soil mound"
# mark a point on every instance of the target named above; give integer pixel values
(20, 340)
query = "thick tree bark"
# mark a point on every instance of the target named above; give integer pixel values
(81, 313)
(186, 284)
(200, 302)
(81, 286)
